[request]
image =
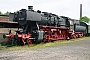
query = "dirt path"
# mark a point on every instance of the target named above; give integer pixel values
(79, 50)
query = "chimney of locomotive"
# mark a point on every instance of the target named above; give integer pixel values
(30, 8)
(80, 10)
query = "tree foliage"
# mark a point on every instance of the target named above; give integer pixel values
(7, 13)
(16, 12)
(85, 19)
(0, 12)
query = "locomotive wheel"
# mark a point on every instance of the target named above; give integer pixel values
(29, 41)
(13, 41)
(45, 38)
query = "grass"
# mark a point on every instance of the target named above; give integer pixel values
(38, 46)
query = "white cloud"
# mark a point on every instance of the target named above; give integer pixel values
(60, 7)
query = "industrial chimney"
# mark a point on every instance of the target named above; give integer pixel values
(30, 8)
(80, 10)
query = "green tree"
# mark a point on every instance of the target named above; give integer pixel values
(15, 12)
(7, 13)
(85, 19)
(0, 12)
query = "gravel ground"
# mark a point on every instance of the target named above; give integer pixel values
(79, 50)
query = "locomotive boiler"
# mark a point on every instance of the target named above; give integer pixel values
(40, 26)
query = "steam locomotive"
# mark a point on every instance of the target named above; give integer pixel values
(44, 27)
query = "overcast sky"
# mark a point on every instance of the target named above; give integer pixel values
(70, 8)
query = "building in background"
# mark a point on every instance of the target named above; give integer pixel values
(6, 23)
(4, 18)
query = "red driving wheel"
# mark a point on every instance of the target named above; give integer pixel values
(29, 41)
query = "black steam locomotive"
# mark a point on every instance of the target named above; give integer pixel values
(40, 26)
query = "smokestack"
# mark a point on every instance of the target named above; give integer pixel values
(30, 7)
(80, 10)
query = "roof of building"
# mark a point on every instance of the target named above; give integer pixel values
(8, 22)
(3, 15)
